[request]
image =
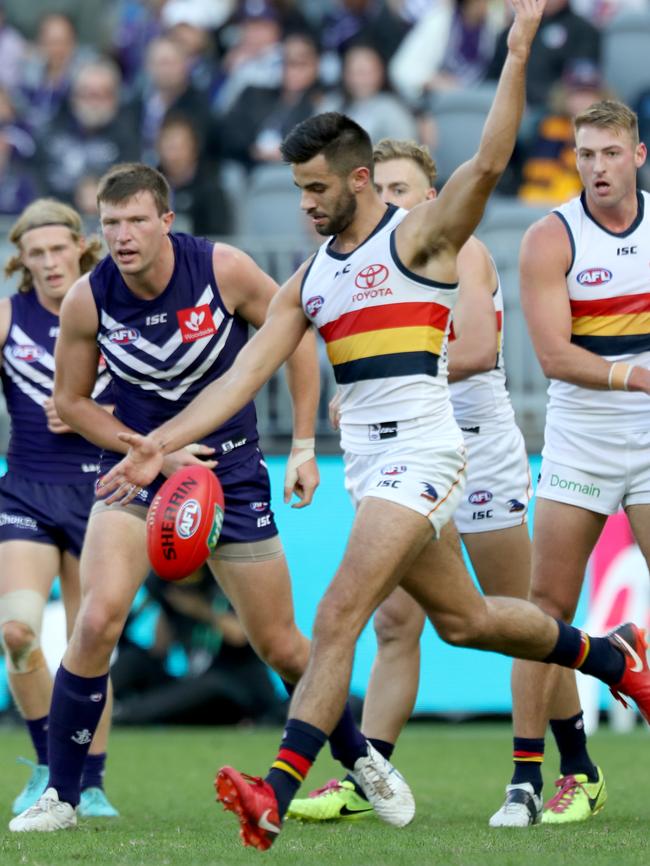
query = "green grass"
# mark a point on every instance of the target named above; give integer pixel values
(161, 780)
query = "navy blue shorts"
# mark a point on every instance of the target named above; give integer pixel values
(49, 513)
(247, 492)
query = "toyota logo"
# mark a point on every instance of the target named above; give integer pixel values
(371, 277)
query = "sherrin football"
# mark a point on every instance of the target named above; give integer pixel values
(184, 522)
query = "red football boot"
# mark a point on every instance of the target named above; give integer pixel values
(635, 682)
(253, 801)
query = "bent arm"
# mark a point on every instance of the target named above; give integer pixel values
(76, 358)
(545, 259)
(475, 347)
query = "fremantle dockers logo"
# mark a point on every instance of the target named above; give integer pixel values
(371, 277)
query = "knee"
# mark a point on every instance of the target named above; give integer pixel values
(97, 630)
(22, 647)
(16, 637)
(395, 626)
(551, 604)
(461, 628)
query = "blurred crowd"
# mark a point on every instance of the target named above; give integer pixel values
(192, 85)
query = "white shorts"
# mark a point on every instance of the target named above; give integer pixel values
(428, 479)
(599, 472)
(498, 487)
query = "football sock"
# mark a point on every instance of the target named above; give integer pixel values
(347, 743)
(572, 745)
(597, 656)
(93, 773)
(299, 748)
(384, 748)
(77, 704)
(38, 732)
(528, 756)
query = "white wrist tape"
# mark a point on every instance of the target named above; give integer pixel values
(306, 451)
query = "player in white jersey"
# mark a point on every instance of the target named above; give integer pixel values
(384, 314)
(584, 283)
(491, 516)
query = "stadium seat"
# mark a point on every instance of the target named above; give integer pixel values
(272, 205)
(626, 40)
(459, 117)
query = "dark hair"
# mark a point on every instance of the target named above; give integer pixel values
(127, 179)
(344, 144)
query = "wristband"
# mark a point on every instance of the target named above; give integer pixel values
(619, 376)
(303, 443)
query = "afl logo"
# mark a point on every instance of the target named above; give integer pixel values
(188, 518)
(480, 497)
(259, 506)
(124, 336)
(395, 469)
(371, 277)
(27, 353)
(314, 304)
(594, 277)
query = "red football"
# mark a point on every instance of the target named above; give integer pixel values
(184, 522)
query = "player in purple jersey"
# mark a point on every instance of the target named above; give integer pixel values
(47, 493)
(170, 313)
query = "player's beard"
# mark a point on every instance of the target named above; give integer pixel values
(346, 208)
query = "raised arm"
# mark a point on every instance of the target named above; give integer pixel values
(434, 232)
(475, 347)
(545, 259)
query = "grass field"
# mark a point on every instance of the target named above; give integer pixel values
(161, 779)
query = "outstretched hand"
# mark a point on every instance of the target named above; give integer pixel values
(528, 14)
(142, 463)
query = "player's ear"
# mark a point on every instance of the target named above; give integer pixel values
(168, 220)
(360, 178)
(431, 193)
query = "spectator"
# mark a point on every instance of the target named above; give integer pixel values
(17, 187)
(549, 173)
(225, 682)
(451, 46)
(365, 98)
(197, 193)
(89, 134)
(47, 76)
(13, 50)
(169, 90)
(132, 26)
(369, 21)
(563, 37)
(255, 58)
(260, 118)
(190, 23)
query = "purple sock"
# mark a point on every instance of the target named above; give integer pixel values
(77, 704)
(347, 743)
(38, 732)
(93, 774)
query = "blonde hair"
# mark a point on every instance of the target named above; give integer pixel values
(609, 114)
(394, 148)
(49, 212)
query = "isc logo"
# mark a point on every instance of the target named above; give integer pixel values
(156, 319)
(188, 518)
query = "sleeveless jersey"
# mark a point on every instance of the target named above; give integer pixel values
(610, 315)
(483, 399)
(28, 381)
(163, 351)
(384, 327)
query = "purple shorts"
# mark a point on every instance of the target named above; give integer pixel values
(247, 492)
(46, 513)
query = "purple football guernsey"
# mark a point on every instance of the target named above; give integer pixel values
(162, 352)
(28, 381)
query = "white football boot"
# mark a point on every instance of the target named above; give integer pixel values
(47, 814)
(385, 788)
(522, 807)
